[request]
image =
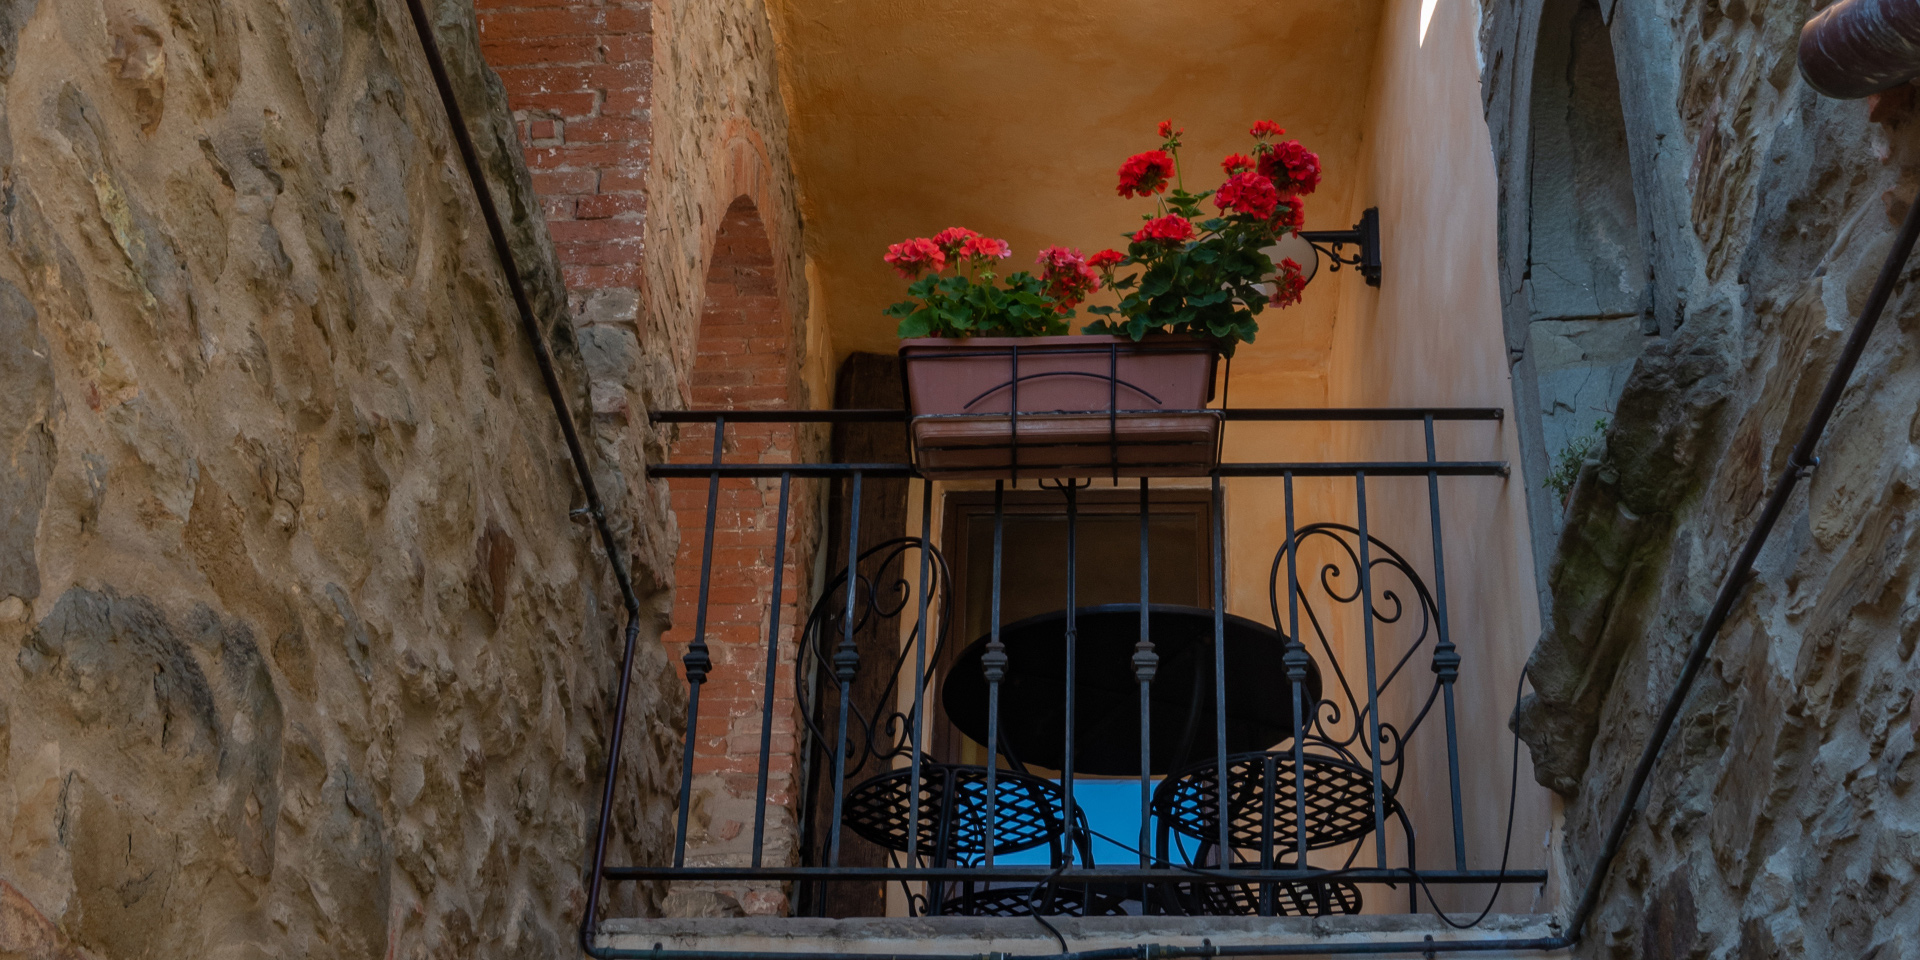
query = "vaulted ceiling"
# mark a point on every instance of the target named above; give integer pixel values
(1011, 117)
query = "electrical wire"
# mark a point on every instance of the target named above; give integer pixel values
(1414, 876)
(1506, 846)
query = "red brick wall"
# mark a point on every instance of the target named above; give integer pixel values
(579, 76)
(744, 361)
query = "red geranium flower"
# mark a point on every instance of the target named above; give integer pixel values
(952, 239)
(1288, 284)
(1265, 129)
(1172, 228)
(1248, 193)
(1167, 132)
(1292, 167)
(1237, 162)
(1105, 259)
(1067, 277)
(1145, 174)
(1289, 214)
(910, 258)
(983, 248)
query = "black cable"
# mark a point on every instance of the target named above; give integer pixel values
(1034, 904)
(1506, 846)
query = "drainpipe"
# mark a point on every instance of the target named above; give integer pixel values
(1857, 48)
(595, 510)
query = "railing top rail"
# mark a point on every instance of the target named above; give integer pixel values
(1067, 876)
(778, 416)
(1247, 414)
(1374, 468)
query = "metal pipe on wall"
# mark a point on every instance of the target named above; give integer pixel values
(576, 451)
(1857, 48)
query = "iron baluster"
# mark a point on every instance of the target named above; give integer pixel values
(1145, 663)
(773, 668)
(1373, 680)
(697, 660)
(920, 671)
(1446, 659)
(1266, 833)
(994, 666)
(1073, 656)
(1297, 660)
(1220, 666)
(846, 664)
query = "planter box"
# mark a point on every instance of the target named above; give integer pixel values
(1085, 406)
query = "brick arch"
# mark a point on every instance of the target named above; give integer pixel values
(744, 343)
(744, 359)
(740, 181)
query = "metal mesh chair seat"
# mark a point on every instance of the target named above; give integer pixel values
(1290, 898)
(1026, 901)
(1339, 801)
(952, 811)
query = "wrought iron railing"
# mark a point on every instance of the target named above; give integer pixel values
(1313, 714)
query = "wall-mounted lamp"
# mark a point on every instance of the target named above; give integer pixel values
(1307, 246)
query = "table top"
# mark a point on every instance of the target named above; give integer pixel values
(1107, 694)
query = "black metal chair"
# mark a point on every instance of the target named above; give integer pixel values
(951, 816)
(952, 809)
(1263, 816)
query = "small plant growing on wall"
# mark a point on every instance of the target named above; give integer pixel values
(1566, 466)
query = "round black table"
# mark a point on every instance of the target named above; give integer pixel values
(1107, 732)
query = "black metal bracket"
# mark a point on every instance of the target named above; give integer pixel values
(1365, 236)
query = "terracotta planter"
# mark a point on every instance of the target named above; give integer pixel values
(1085, 406)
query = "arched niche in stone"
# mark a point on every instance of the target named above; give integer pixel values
(1586, 269)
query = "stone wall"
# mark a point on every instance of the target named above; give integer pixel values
(1781, 821)
(302, 655)
(579, 78)
(658, 142)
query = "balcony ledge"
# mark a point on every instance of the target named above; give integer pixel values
(1024, 937)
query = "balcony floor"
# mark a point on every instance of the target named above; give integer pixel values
(1021, 936)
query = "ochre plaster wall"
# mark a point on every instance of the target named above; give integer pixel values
(1430, 335)
(1012, 117)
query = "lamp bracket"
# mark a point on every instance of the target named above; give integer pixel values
(1364, 237)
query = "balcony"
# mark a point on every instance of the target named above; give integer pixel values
(1287, 622)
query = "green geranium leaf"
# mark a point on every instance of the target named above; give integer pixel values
(917, 325)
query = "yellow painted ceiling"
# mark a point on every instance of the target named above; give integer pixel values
(1012, 116)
